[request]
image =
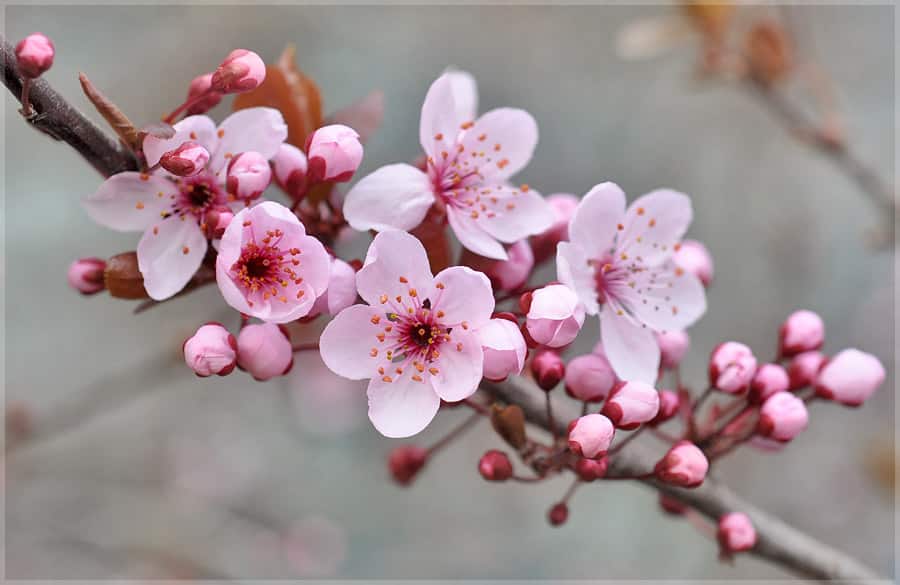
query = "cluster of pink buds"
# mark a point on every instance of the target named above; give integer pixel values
(264, 351)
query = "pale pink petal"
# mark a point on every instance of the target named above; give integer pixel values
(632, 350)
(666, 299)
(596, 219)
(653, 224)
(401, 407)
(504, 348)
(464, 296)
(130, 201)
(395, 263)
(393, 197)
(473, 237)
(465, 94)
(507, 137)
(459, 366)
(573, 270)
(364, 115)
(510, 214)
(199, 129)
(341, 291)
(169, 254)
(259, 130)
(347, 341)
(440, 123)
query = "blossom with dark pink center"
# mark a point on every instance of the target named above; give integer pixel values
(172, 211)
(619, 262)
(415, 339)
(268, 267)
(468, 164)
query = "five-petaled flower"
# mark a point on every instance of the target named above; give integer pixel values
(416, 339)
(268, 267)
(468, 164)
(172, 211)
(619, 263)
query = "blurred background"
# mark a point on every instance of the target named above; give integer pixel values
(120, 463)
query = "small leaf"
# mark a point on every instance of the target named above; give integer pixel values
(509, 422)
(118, 121)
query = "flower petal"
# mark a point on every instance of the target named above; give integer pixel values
(130, 201)
(347, 342)
(169, 254)
(395, 263)
(199, 129)
(654, 223)
(401, 407)
(667, 299)
(440, 123)
(259, 130)
(573, 270)
(465, 94)
(505, 139)
(464, 296)
(393, 197)
(596, 219)
(632, 350)
(473, 237)
(459, 366)
(510, 214)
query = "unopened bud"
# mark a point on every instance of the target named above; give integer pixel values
(804, 368)
(673, 345)
(631, 404)
(334, 153)
(504, 348)
(768, 380)
(669, 403)
(684, 465)
(495, 466)
(202, 86)
(558, 514)
(591, 469)
(211, 350)
(731, 367)
(86, 275)
(290, 167)
(35, 55)
(241, 71)
(590, 436)
(850, 377)
(672, 506)
(405, 462)
(782, 417)
(589, 378)
(548, 369)
(249, 174)
(265, 351)
(563, 206)
(216, 221)
(505, 275)
(735, 533)
(693, 257)
(555, 316)
(801, 331)
(185, 161)
(122, 277)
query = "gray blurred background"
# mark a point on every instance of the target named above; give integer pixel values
(132, 467)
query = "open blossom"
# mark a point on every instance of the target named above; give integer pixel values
(268, 267)
(415, 338)
(469, 163)
(619, 262)
(172, 211)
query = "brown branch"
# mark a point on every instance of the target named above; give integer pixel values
(777, 542)
(57, 119)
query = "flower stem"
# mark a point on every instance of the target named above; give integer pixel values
(456, 432)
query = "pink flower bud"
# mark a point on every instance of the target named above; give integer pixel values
(495, 466)
(589, 378)
(241, 71)
(290, 167)
(548, 369)
(673, 345)
(334, 153)
(731, 367)
(558, 514)
(217, 221)
(202, 86)
(850, 377)
(211, 350)
(693, 257)
(684, 465)
(669, 404)
(591, 469)
(563, 207)
(735, 533)
(801, 331)
(804, 367)
(504, 349)
(35, 54)
(249, 174)
(405, 462)
(590, 436)
(505, 275)
(631, 404)
(185, 161)
(264, 351)
(672, 506)
(769, 379)
(341, 291)
(782, 417)
(555, 316)
(86, 275)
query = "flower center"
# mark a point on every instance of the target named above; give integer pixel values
(265, 268)
(198, 195)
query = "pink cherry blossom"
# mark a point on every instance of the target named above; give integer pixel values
(415, 339)
(619, 262)
(801, 331)
(211, 350)
(172, 211)
(264, 351)
(555, 316)
(591, 435)
(468, 164)
(589, 378)
(504, 349)
(268, 267)
(850, 377)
